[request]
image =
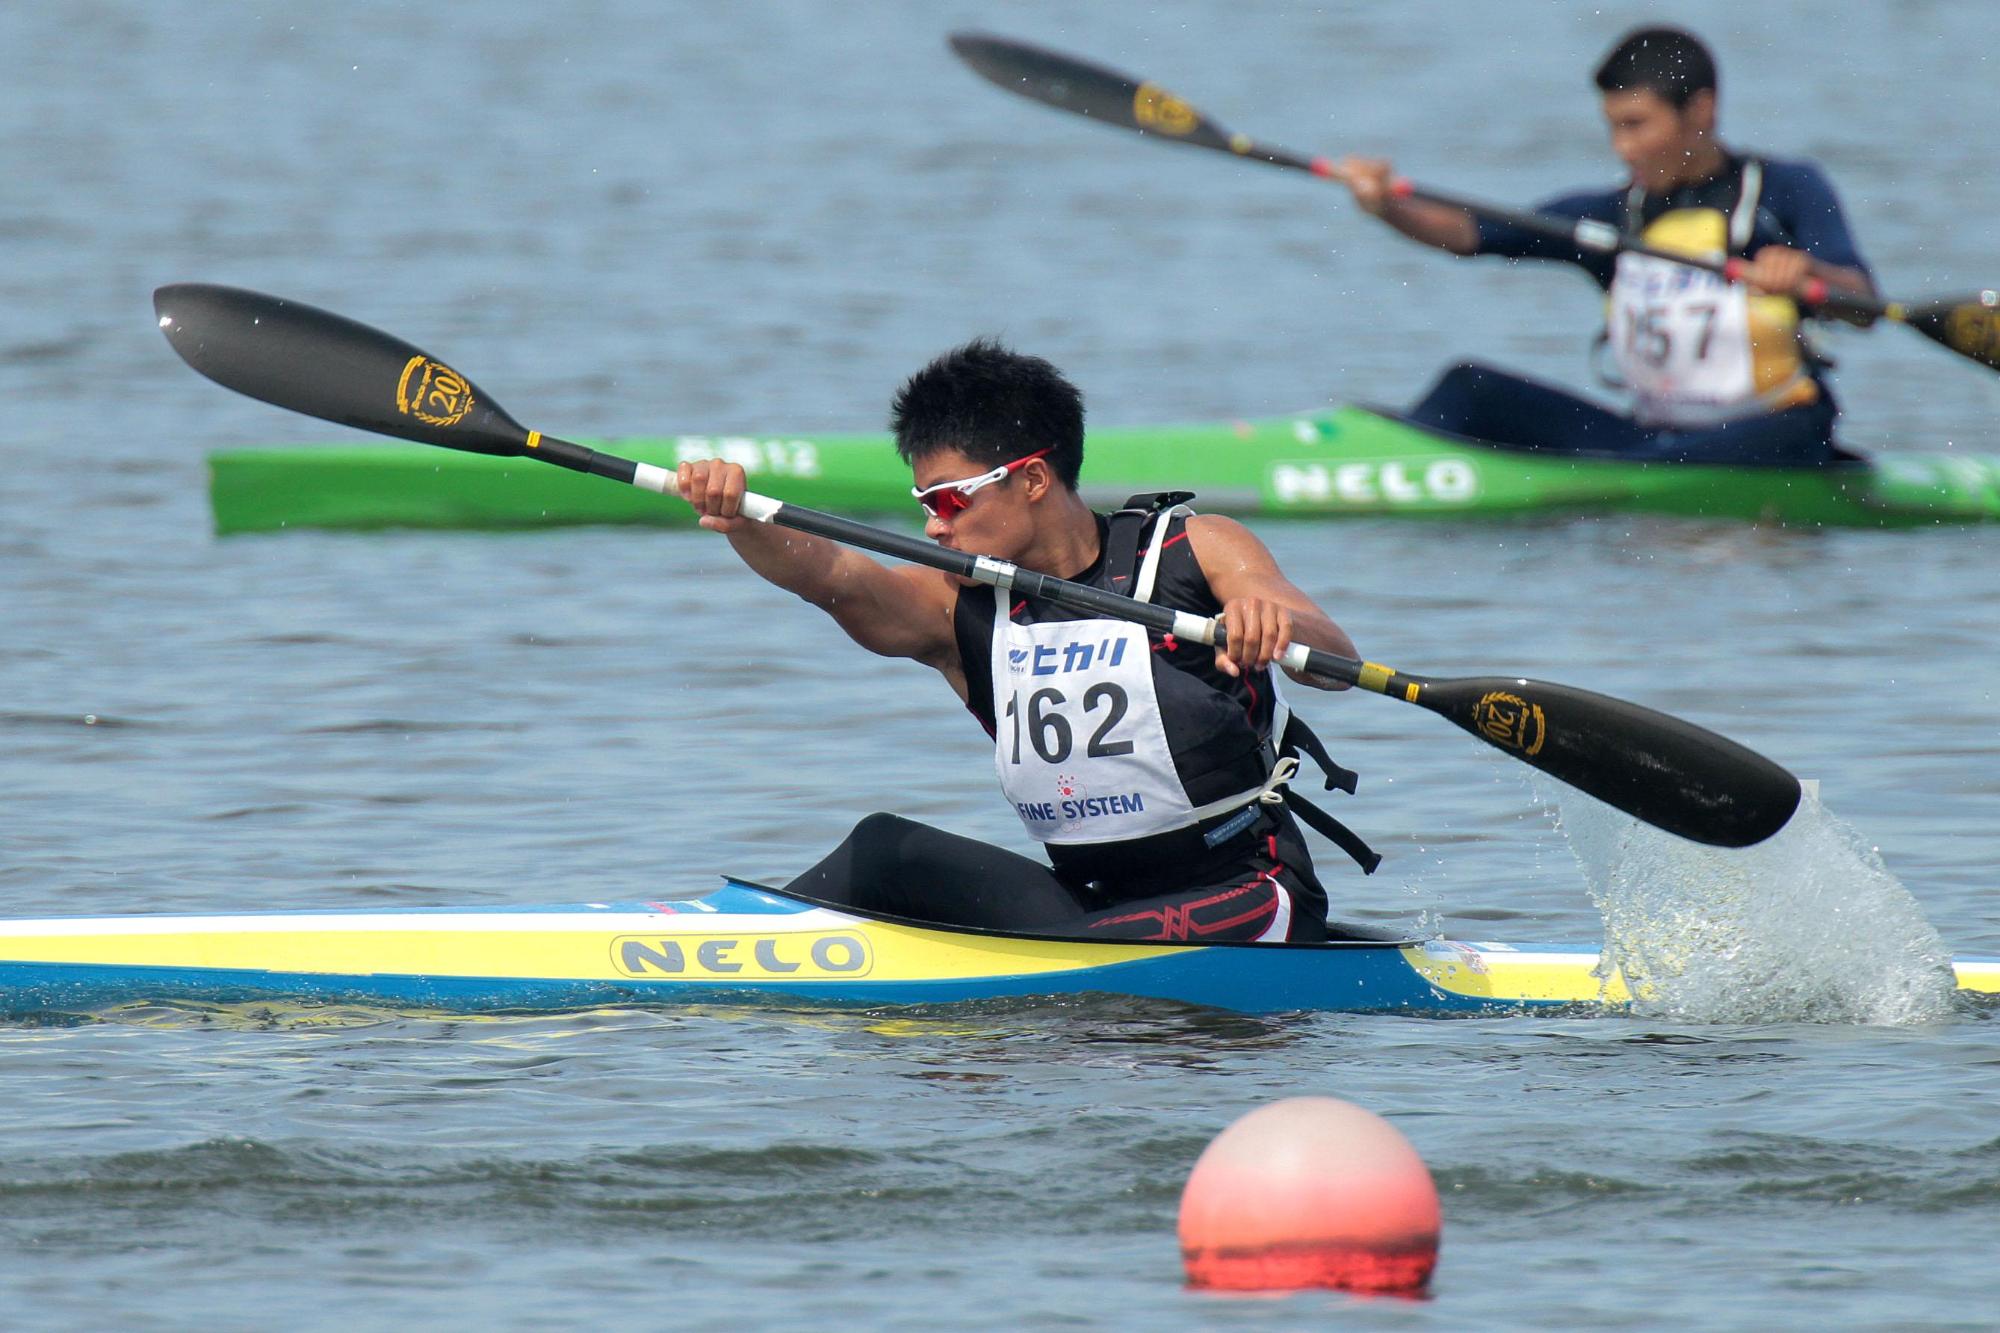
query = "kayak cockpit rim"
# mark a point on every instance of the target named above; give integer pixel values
(1341, 935)
(1844, 460)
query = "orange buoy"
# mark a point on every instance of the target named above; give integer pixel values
(1310, 1192)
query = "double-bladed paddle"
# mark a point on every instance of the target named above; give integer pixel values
(1669, 773)
(1968, 325)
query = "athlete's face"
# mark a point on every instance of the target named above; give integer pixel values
(1661, 144)
(997, 518)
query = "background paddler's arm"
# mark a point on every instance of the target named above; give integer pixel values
(1447, 228)
(1780, 270)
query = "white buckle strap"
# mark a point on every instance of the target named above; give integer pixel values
(1270, 793)
(1743, 218)
(1149, 568)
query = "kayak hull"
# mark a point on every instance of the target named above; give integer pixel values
(1349, 462)
(744, 944)
(739, 944)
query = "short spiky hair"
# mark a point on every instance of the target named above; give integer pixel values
(1668, 61)
(992, 405)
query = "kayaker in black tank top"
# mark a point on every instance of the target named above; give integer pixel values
(1156, 774)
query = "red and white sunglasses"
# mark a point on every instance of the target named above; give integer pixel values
(948, 499)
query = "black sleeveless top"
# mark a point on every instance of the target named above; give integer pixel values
(1218, 726)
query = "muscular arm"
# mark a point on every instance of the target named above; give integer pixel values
(900, 611)
(1804, 201)
(1782, 271)
(1262, 610)
(1438, 225)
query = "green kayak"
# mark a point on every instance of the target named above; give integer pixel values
(1347, 461)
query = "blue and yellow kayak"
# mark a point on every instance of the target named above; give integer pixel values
(743, 943)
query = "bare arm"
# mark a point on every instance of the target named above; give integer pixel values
(1439, 225)
(900, 611)
(1783, 271)
(1262, 610)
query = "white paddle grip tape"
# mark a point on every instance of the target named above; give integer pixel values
(1294, 656)
(660, 480)
(1188, 625)
(666, 481)
(996, 572)
(1594, 235)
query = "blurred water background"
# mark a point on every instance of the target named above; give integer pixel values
(634, 219)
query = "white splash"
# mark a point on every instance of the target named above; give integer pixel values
(1808, 926)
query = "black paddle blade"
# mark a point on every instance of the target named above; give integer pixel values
(1970, 327)
(1084, 89)
(1669, 773)
(313, 361)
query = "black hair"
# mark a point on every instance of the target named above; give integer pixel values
(992, 405)
(1668, 61)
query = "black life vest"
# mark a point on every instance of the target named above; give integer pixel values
(1226, 734)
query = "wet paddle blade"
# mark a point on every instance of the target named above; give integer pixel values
(1970, 327)
(1670, 773)
(1085, 89)
(296, 356)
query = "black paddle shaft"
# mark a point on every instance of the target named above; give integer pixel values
(1658, 768)
(1667, 772)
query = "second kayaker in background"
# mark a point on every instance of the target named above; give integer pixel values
(1719, 372)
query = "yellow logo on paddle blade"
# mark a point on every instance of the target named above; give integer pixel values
(1157, 109)
(1510, 721)
(433, 393)
(1974, 330)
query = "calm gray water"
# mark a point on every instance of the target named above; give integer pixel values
(631, 218)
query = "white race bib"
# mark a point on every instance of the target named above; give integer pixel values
(1078, 739)
(1681, 337)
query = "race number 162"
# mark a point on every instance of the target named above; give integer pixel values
(1051, 733)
